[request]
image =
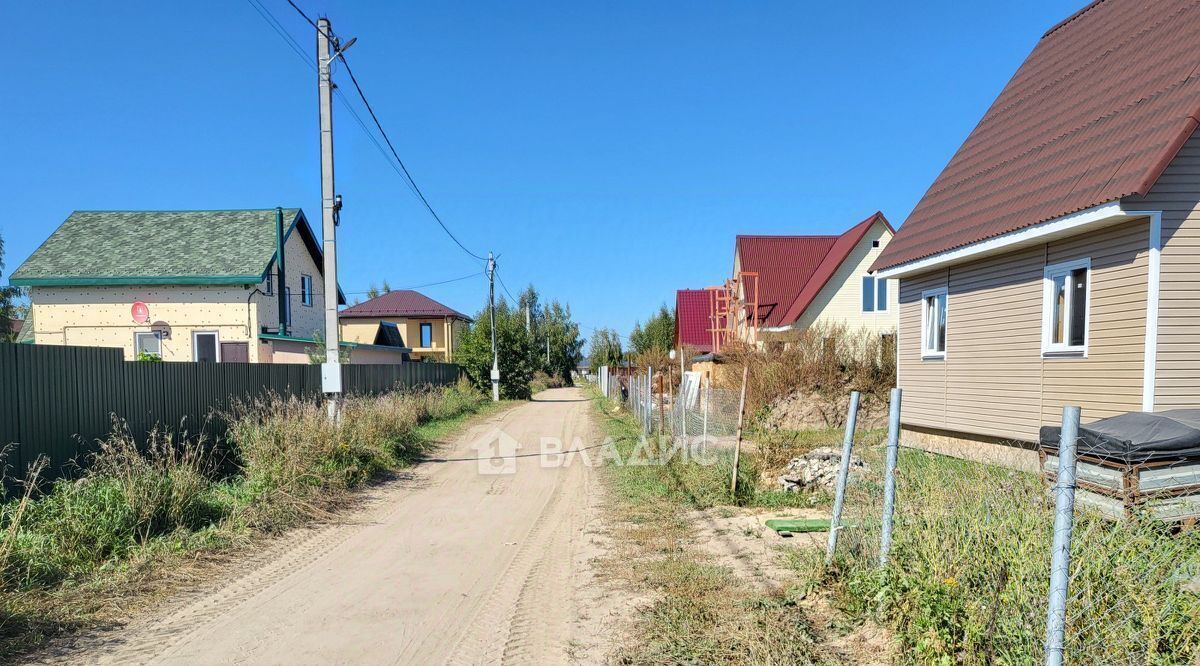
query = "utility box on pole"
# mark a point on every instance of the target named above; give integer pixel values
(331, 370)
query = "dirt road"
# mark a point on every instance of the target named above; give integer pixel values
(449, 566)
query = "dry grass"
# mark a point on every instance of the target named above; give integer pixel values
(829, 361)
(701, 613)
(86, 550)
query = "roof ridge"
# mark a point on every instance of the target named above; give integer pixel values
(183, 210)
(1073, 130)
(1130, 37)
(1086, 8)
(788, 235)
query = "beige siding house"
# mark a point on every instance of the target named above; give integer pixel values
(183, 286)
(804, 281)
(1054, 261)
(428, 328)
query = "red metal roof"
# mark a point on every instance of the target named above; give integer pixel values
(793, 269)
(693, 312)
(1096, 112)
(401, 303)
(841, 249)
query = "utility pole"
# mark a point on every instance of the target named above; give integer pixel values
(492, 313)
(331, 369)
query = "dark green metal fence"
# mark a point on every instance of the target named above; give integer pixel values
(57, 401)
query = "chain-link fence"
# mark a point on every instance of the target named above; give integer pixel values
(976, 534)
(700, 411)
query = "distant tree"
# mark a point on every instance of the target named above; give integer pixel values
(516, 352)
(9, 309)
(372, 291)
(604, 348)
(387, 288)
(657, 335)
(561, 341)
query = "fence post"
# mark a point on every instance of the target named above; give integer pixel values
(737, 446)
(707, 399)
(649, 400)
(1064, 521)
(889, 476)
(835, 524)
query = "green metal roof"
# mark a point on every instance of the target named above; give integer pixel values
(157, 247)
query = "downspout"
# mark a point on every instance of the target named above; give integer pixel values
(280, 290)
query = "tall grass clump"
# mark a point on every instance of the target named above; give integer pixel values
(969, 571)
(825, 360)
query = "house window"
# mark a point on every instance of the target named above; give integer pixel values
(874, 294)
(1065, 290)
(148, 343)
(426, 334)
(306, 295)
(287, 307)
(933, 323)
(875, 243)
(206, 347)
(269, 289)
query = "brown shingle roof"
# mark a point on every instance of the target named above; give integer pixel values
(693, 319)
(401, 303)
(1095, 113)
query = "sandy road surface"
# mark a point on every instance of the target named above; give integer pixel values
(449, 566)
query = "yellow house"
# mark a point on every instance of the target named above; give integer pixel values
(431, 330)
(801, 281)
(203, 286)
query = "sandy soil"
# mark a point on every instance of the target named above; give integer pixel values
(450, 565)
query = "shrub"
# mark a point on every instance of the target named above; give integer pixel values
(827, 360)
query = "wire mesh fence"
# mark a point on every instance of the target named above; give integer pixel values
(968, 575)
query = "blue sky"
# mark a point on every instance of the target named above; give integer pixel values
(608, 151)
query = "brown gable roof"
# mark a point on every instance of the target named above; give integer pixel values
(401, 303)
(1095, 113)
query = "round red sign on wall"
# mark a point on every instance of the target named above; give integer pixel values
(140, 312)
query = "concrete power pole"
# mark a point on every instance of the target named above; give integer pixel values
(331, 370)
(492, 313)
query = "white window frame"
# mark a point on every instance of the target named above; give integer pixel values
(926, 352)
(155, 334)
(1052, 349)
(269, 285)
(196, 346)
(879, 307)
(306, 290)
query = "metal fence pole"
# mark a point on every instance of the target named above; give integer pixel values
(889, 476)
(707, 400)
(1064, 521)
(649, 400)
(835, 524)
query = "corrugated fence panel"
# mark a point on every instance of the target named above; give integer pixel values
(57, 401)
(9, 392)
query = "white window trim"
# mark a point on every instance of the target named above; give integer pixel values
(156, 334)
(927, 353)
(883, 309)
(269, 284)
(196, 345)
(306, 295)
(1063, 349)
(862, 296)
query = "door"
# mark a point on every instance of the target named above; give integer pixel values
(235, 352)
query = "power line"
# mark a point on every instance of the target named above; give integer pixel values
(406, 174)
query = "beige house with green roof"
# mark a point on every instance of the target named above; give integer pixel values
(203, 286)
